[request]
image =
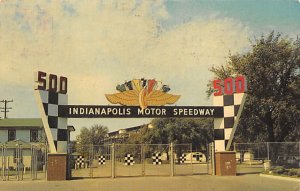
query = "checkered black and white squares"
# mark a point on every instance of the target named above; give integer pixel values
(182, 158)
(55, 126)
(156, 158)
(129, 161)
(101, 160)
(80, 162)
(225, 127)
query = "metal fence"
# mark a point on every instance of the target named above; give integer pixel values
(23, 162)
(124, 160)
(268, 155)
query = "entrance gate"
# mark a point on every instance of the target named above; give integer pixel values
(90, 161)
(22, 161)
(140, 98)
(132, 160)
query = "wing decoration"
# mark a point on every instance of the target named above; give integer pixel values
(129, 97)
(143, 93)
(158, 98)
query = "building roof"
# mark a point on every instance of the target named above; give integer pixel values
(126, 130)
(25, 123)
(21, 122)
(71, 128)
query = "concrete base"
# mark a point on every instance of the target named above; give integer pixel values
(57, 167)
(225, 163)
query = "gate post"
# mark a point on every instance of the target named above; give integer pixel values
(225, 163)
(57, 166)
(22, 164)
(2, 164)
(69, 161)
(31, 163)
(91, 159)
(35, 162)
(55, 126)
(191, 158)
(112, 160)
(8, 171)
(143, 159)
(268, 150)
(212, 151)
(172, 159)
(33, 167)
(5, 172)
(17, 150)
(19, 162)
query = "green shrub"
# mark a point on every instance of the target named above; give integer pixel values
(279, 170)
(292, 172)
(288, 172)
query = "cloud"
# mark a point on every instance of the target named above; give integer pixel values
(98, 44)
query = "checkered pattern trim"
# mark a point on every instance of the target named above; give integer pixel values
(129, 160)
(55, 126)
(182, 158)
(156, 158)
(80, 161)
(101, 160)
(224, 128)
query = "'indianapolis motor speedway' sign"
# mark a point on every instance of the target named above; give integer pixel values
(94, 111)
(139, 98)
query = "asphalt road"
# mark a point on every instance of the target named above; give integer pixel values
(249, 182)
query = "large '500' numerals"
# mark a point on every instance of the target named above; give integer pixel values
(230, 86)
(51, 83)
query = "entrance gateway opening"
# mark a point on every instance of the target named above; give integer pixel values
(126, 160)
(140, 98)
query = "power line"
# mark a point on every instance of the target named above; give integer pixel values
(5, 108)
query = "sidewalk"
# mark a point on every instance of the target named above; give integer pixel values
(252, 182)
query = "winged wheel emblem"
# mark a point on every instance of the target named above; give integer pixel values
(143, 93)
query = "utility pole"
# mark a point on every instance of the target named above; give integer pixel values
(5, 108)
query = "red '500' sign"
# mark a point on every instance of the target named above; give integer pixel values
(230, 86)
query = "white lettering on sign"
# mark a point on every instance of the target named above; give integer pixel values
(193, 112)
(91, 111)
(99, 111)
(151, 111)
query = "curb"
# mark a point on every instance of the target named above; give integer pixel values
(280, 177)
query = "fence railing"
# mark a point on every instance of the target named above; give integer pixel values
(23, 161)
(285, 154)
(117, 160)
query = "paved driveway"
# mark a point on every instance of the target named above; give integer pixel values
(251, 182)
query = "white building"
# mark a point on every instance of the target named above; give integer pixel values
(29, 130)
(17, 138)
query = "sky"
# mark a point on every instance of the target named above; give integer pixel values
(98, 44)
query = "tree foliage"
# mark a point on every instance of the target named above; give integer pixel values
(176, 130)
(272, 70)
(93, 135)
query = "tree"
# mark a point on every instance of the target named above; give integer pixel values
(271, 111)
(94, 135)
(138, 137)
(176, 130)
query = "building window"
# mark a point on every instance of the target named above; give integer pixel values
(34, 135)
(11, 135)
